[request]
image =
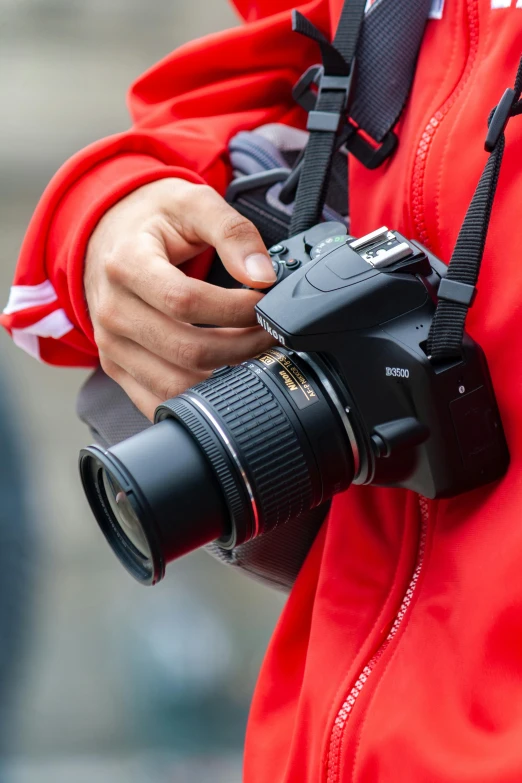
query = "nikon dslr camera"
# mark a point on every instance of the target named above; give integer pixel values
(348, 396)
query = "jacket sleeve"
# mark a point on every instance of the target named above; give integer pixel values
(184, 110)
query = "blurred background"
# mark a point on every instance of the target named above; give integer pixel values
(100, 678)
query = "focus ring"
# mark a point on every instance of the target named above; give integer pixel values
(269, 446)
(239, 507)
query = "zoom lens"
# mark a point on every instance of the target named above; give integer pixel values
(249, 449)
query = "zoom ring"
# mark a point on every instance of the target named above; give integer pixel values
(240, 511)
(271, 454)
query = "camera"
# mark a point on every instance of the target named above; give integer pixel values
(349, 395)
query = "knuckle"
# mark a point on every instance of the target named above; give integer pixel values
(179, 300)
(107, 365)
(190, 203)
(106, 314)
(234, 310)
(197, 195)
(171, 387)
(115, 266)
(149, 334)
(237, 228)
(103, 341)
(193, 355)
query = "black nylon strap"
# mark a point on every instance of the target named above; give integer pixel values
(329, 112)
(313, 182)
(334, 60)
(386, 42)
(349, 28)
(456, 293)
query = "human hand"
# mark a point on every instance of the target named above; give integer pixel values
(144, 309)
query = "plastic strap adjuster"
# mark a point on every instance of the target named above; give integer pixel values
(499, 120)
(453, 291)
(337, 84)
(371, 157)
(324, 121)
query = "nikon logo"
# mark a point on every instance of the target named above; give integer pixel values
(266, 326)
(289, 382)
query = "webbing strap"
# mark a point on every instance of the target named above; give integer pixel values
(457, 290)
(384, 46)
(325, 120)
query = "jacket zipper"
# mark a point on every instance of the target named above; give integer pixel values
(421, 156)
(333, 766)
(333, 761)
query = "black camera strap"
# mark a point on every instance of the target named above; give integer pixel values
(327, 117)
(457, 290)
(384, 45)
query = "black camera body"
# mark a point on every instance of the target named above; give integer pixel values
(365, 307)
(348, 396)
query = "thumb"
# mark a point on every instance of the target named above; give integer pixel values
(236, 239)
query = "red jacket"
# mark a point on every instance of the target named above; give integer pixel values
(398, 656)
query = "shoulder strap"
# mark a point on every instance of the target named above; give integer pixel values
(386, 60)
(384, 45)
(457, 290)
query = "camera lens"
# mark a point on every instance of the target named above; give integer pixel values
(251, 448)
(124, 513)
(155, 497)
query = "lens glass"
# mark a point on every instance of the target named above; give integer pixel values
(125, 514)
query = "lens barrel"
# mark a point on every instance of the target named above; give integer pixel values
(249, 449)
(173, 491)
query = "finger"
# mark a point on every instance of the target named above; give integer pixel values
(152, 373)
(144, 401)
(182, 345)
(208, 218)
(150, 276)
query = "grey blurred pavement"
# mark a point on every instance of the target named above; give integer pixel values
(85, 710)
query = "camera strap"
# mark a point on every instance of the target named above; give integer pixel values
(458, 289)
(383, 43)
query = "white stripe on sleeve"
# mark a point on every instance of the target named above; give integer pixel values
(23, 297)
(54, 325)
(27, 342)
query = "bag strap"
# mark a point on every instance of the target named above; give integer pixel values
(457, 290)
(386, 61)
(385, 44)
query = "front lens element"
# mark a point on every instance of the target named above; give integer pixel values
(125, 514)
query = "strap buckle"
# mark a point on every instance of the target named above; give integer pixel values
(249, 182)
(499, 119)
(369, 155)
(303, 92)
(309, 99)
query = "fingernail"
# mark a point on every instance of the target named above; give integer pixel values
(259, 268)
